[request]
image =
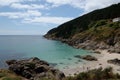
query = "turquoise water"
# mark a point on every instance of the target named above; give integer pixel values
(18, 47)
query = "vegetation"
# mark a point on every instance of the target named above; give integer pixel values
(8, 75)
(85, 22)
(96, 74)
(100, 31)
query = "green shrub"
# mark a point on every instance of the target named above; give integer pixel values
(96, 74)
(2, 75)
(100, 23)
(9, 78)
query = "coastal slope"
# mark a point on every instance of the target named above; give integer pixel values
(95, 30)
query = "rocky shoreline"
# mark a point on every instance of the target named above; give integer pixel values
(88, 44)
(34, 69)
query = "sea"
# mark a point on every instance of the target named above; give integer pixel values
(54, 52)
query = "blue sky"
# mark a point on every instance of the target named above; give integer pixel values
(36, 17)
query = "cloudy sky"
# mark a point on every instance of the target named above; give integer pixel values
(30, 17)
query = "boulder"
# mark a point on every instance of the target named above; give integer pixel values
(34, 69)
(87, 57)
(114, 61)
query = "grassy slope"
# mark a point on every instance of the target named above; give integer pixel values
(81, 24)
(102, 30)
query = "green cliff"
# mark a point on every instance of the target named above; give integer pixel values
(91, 31)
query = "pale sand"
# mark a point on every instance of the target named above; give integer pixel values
(88, 65)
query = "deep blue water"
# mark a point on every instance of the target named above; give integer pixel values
(19, 47)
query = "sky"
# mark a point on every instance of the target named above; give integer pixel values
(36, 17)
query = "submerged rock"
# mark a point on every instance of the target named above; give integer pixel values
(87, 57)
(53, 64)
(34, 69)
(77, 56)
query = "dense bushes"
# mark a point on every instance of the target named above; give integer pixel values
(96, 74)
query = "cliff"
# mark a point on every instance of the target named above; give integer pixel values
(94, 30)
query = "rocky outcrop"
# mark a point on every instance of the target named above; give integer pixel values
(116, 48)
(90, 44)
(34, 69)
(87, 57)
(114, 61)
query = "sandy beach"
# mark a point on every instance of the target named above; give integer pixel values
(88, 65)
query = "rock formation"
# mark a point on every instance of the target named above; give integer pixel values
(114, 61)
(87, 57)
(34, 69)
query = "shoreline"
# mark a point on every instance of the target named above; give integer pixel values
(102, 58)
(89, 65)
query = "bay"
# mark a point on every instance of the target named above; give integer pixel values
(27, 46)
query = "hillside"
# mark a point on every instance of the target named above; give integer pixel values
(91, 31)
(81, 23)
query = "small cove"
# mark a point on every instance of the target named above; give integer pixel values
(24, 46)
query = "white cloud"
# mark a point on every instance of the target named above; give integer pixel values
(14, 15)
(86, 5)
(90, 5)
(28, 6)
(8, 2)
(59, 2)
(34, 16)
(51, 20)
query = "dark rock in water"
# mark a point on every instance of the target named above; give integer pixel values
(69, 59)
(61, 63)
(76, 62)
(53, 64)
(34, 69)
(114, 61)
(77, 56)
(87, 57)
(79, 61)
